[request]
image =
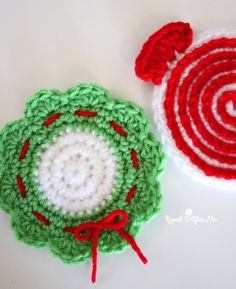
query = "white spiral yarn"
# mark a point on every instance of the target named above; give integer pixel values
(165, 134)
(77, 172)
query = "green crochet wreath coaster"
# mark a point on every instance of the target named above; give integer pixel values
(79, 173)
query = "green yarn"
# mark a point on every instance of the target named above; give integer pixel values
(87, 97)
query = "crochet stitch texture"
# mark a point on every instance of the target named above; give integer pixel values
(194, 99)
(80, 158)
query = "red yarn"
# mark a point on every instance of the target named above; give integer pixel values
(86, 113)
(134, 159)
(41, 218)
(131, 194)
(24, 149)
(115, 221)
(201, 126)
(226, 97)
(21, 186)
(51, 119)
(152, 62)
(118, 129)
(196, 88)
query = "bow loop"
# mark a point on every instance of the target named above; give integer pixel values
(116, 220)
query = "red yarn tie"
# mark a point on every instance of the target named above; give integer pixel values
(115, 221)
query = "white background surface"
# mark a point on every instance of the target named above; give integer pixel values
(56, 44)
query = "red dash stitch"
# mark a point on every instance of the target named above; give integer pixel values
(51, 119)
(135, 159)
(24, 149)
(21, 186)
(41, 218)
(118, 129)
(131, 194)
(86, 113)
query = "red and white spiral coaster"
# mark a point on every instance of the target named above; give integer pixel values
(194, 99)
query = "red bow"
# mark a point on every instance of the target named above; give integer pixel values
(115, 221)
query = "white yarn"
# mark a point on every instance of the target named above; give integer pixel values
(164, 131)
(231, 110)
(229, 106)
(77, 172)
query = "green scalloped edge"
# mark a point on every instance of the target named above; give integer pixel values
(83, 251)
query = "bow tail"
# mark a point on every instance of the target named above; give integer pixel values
(133, 244)
(123, 234)
(95, 255)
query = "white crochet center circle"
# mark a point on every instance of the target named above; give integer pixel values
(165, 134)
(77, 172)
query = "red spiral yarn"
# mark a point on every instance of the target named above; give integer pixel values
(197, 99)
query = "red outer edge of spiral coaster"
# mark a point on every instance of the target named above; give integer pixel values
(152, 62)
